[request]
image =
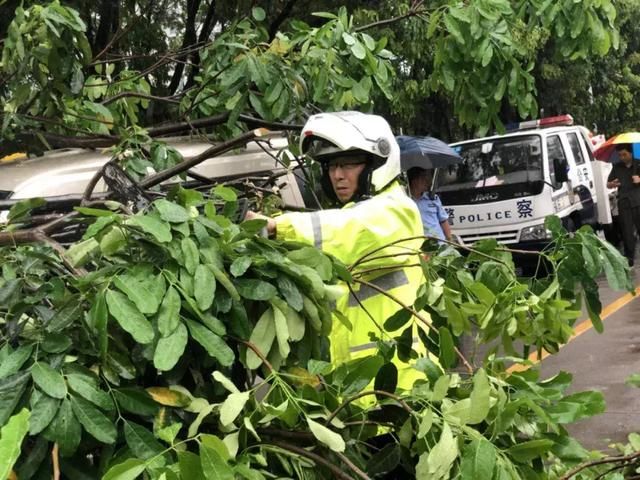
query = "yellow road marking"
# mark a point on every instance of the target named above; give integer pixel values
(582, 327)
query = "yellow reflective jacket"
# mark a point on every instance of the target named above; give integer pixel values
(367, 229)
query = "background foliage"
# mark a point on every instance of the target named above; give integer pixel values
(443, 68)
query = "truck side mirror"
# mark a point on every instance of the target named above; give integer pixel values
(560, 169)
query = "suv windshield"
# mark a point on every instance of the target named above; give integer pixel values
(502, 168)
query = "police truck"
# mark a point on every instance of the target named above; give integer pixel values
(507, 184)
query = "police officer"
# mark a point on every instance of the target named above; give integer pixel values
(360, 162)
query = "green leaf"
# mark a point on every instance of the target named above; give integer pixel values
(49, 380)
(212, 343)
(190, 467)
(88, 388)
(258, 13)
(80, 253)
(479, 398)
(227, 194)
(171, 212)
(384, 461)
(282, 332)
(11, 389)
(43, 412)
(98, 319)
(358, 50)
(169, 349)
(11, 436)
(616, 272)
(527, 451)
(386, 379)
(136, 400)
(425, 423)
(141, 441)
(437, 463)
(478, 459)
(15, 360)
(204, 287)
(240, 265)
(64, 317)
(191, 255)
(591, 259)
(130, 469)
(397, 320)
(361, 373)
(226, 383)
(262, 338)
(253, 289)
(169, 312)
(447, 355)
(224, 280)
(232, 406)
(454, 317)
(138, 293)
(152, 225)
(93, 420)
(214, 466)
(330, 438)
(129, 317)
(56, 343)
(64, 429)
(22, 209)
(290, 292)
(633, 380)
(577, 406)
(453, 28)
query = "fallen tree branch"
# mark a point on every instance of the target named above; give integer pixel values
(603, 461)
(313, 456)
(382, 393)
(219, 149)
(415, 10)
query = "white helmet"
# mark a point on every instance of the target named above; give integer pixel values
(327, 134)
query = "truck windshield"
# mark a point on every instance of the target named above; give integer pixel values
(503, 168)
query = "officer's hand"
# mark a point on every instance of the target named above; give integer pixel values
(271, 223)
(615, 183)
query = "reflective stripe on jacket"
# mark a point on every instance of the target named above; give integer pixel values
(362, 229)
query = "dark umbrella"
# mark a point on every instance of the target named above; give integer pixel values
(425, 152)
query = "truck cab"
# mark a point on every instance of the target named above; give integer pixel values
(507, 184)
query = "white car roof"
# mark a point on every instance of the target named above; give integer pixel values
(67, 171)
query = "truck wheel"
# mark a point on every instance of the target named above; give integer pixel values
(569, 224)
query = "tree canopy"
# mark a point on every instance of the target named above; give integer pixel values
(103, 69)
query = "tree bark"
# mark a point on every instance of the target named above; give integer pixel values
(203, 37)
(282, 16)
(189, 39)
(109, 14)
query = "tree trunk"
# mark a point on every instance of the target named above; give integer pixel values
(109, 14)
(282, 16)
(189, 40)
(205, 32)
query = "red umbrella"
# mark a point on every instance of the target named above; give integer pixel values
(605, 151)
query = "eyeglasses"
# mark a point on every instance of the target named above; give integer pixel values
(344, 166)
(346, 162)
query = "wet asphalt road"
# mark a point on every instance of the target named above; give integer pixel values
(603, 362)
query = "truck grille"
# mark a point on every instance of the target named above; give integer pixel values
(509, 236)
